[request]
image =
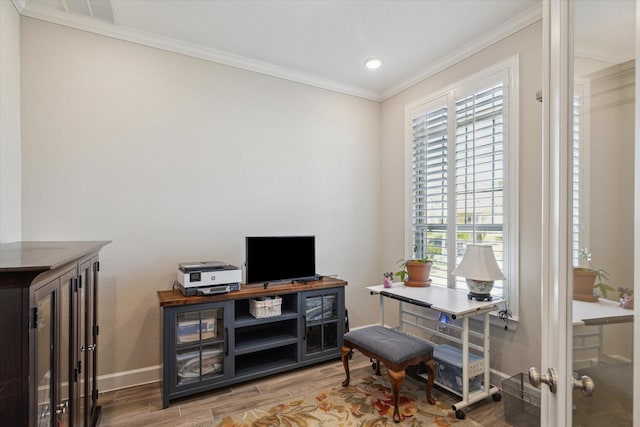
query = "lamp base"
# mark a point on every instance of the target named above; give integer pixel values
(479, 297)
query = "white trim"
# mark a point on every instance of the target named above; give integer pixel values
(610, 57)
(125, 379)
(556, 301)
(20, 5)
(512, 224)
(97, 26)
(520, 22)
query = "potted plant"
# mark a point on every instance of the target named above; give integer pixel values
(415, 271)
(584, 280)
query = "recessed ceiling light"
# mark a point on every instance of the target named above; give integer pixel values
(373, 63)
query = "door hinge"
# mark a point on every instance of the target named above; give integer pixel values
(34, 318)
(79, 366)
(96, 330)
(95, 394)
(79, 280)
(96, 266)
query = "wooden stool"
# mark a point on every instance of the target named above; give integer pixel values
(397, 351)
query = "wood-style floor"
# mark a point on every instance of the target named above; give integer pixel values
(142, 405)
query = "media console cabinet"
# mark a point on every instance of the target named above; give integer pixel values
(214, 341)
(49, 333)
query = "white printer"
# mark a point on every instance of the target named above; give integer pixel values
(208, 278)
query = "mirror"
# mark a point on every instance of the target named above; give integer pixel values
(603, 207)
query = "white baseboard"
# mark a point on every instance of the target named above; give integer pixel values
(134, 377)
(151, 374)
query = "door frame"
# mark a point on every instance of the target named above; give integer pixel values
(555, 307)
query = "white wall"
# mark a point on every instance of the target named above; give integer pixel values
(507, 353)
(10, 156)
(177, 159)
(611, 155)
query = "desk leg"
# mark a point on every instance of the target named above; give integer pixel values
(487, 353)
(381, 310)
(465, 359)
(488, 390)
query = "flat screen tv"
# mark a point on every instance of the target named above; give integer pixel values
(280, 258)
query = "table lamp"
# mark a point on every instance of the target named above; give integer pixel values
(480, 268)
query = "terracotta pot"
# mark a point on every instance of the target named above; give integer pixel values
(584, 279)
(418, 273)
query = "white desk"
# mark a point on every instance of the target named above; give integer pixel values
(603, 312)
(589, 318)
(455, 303)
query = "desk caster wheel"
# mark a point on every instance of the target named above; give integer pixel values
(496, 397)
(460, 415)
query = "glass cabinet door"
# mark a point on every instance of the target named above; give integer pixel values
(45, 330)
(200, 345)
(51, 349)
(323, 323)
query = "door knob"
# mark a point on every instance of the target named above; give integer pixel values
(584, 384)
(550, 378)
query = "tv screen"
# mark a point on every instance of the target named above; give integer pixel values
(280, 258)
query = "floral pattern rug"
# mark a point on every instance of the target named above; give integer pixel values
(365, 402)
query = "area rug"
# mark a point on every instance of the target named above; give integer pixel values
(366, 402)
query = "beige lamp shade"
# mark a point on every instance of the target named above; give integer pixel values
(479, 263)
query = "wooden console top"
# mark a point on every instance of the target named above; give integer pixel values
(175, 297)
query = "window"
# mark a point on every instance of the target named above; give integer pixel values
(458, 145)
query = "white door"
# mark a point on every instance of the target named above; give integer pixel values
(591, 197)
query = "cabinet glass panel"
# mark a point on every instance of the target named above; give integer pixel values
(66, 379)
(330, 335)
(44, 363)
(195, 326)
(188, 366)
(314, 339)
(321, 307)
(212, 358)
(82, 347)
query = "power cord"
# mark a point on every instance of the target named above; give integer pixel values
(505, 315)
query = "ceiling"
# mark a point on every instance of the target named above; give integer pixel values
(319, 42)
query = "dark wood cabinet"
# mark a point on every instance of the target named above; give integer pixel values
(48, 326)
(214, 341)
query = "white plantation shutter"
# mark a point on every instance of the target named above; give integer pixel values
(580, 173)
(575, 190)
(430, 135)
(479, 172)
(458, 150)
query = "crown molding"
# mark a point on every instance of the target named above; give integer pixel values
(20, 5)
(610, 57)
(503, 31)
(108, 29)
(104, 28)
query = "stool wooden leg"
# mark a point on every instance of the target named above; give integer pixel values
(396, 384)
(345, 362)
(431, 372)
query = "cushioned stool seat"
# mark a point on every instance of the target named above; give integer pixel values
(396, 350)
